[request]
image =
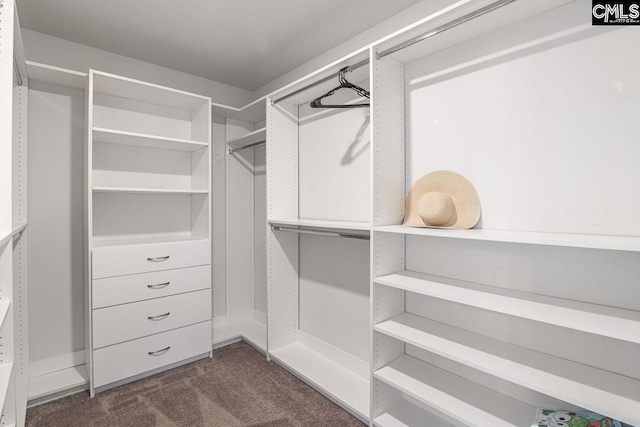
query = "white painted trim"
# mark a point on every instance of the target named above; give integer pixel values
(335, 354)
(57, 363)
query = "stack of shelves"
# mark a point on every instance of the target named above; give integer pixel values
(149, 235)
(484, 326)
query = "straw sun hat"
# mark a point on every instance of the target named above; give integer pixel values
(442, 199)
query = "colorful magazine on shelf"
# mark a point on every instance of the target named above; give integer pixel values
(549, 418)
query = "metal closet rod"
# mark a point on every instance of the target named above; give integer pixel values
(255, 144)
(410, 42)
(321, 233)
(468, 17)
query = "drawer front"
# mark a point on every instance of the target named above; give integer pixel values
(111, 364)
(133, 259)
(121, 323)
(139, 287)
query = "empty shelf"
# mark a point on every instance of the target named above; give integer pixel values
(5, 378)
(222, 110)
(124, 87)
(58, 382)
(113, 136)
(406, 414)
(248, 140)
(591, 241)
(333, 379)
(595, 389)
(320, 223)
(56, 75)
(16, 228)
(253, 112)
(223, 335)
(452, 397)
(146, 190)
(596, 319)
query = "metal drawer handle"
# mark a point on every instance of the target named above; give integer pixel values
(157, 352)
(159, 316)
(159, 285)
(158, 259)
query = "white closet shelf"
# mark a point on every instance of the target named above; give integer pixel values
(453, 398)
(4, 308)
(56, 75)
(333, 379)
(120, 137)
(58, 382)
(253, 112)
(105, 243)
(591, 241)
(406, 414)
(319, 223)
(222, 110)
(137, 90)
(596, 319)
(5, 378)
(165, 191)
(16, 228)
(254, 137)
(588, 387)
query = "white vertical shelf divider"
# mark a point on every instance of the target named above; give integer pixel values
(14, 338)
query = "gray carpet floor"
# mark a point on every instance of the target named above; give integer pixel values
(237, 388)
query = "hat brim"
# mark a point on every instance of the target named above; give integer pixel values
(462, 192)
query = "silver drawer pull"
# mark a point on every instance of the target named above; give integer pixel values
(158, 352)
(158, 259)
(159, 285)
(159, 316)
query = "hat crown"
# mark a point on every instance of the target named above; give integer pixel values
(436, 208)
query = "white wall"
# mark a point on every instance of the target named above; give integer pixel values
(62, 53)
(55, 206)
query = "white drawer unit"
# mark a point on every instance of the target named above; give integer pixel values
(132, 259)
(139, 287)
(125, 360)
(125, 322)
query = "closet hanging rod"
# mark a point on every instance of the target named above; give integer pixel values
(255, 144)
(468, 17)
(321, 233)
(317, 82)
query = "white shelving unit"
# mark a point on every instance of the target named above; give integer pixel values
(245, 311)
(318, 188)
(14, 332)
(473, 326)
(148, 210)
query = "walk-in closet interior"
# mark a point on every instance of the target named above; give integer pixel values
(166, 211)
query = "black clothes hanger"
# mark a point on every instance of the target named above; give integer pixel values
(344, 84)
